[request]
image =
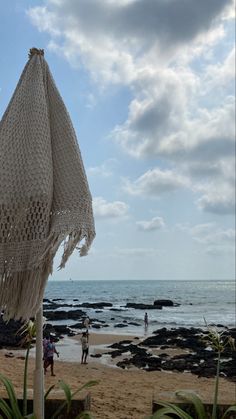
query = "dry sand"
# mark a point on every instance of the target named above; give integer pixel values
(120, 394)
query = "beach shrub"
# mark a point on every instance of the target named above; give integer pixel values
(218, 342)
(12, 410)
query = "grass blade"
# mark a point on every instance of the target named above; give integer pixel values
(48, 391)
(171, 409)
(229, 410)
(195, 400)
(5, 408)
(84, 415)
(67, 392)
(12, 397)
(87, 385)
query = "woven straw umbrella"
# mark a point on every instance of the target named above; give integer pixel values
(44, 197)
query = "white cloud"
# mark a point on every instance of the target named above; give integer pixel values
(214, 239)
(219, 200)
(112, 38)
(104, 209)
(154, 224)
(220, 74)
(104, 170)
(180, 113)
(155, 182)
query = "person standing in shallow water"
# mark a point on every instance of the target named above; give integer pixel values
(85, 347)
(146, 319)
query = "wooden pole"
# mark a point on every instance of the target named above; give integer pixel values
(38, 372)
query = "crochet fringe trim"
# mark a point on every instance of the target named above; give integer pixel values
(21, 293)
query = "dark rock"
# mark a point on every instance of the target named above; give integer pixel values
(9, 355)
(77, 326)
(141, 306)
(96, 305)
(9, 336)
(134, 324)
(217, 325)
(165, 303)
(96, 355)
(96, 326)
(163, 355)
(116, 309)
(98, 311)
(120, 325)
(64, 315)
(199, 361)
(62, 329)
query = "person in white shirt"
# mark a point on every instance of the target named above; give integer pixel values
(85, 347)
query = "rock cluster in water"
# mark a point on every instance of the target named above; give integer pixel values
(196, 358)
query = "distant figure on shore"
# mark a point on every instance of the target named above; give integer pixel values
(48, 353)
(86, 323)
(85, 347)
(146, 319)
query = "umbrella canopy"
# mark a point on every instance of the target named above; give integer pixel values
(44, 194)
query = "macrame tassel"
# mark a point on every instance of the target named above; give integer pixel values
(21, 294)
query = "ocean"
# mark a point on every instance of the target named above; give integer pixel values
(212, 300)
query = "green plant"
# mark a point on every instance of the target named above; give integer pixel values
(28, 330)
(174, 410)
(12, 409)
(69, 396)
(218, 342)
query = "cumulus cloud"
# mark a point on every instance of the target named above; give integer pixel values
(181, 112)
(219, 201)
(155, 223)
(110, 38)
(156, 182)
(104, 209)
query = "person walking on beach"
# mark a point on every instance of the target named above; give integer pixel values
(146, 319)
(45, 344)
(49, 350)
(85, 347)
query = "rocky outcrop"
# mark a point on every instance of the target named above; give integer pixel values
(165, 303)
(200, 360)
(96, 305)
(9, 336)
(64, 315)
(158, 304)
(142, 306)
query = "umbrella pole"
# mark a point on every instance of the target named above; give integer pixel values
(38, 372)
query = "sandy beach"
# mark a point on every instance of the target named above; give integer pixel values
(120, 394)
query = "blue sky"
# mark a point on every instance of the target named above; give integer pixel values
(149, 85)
